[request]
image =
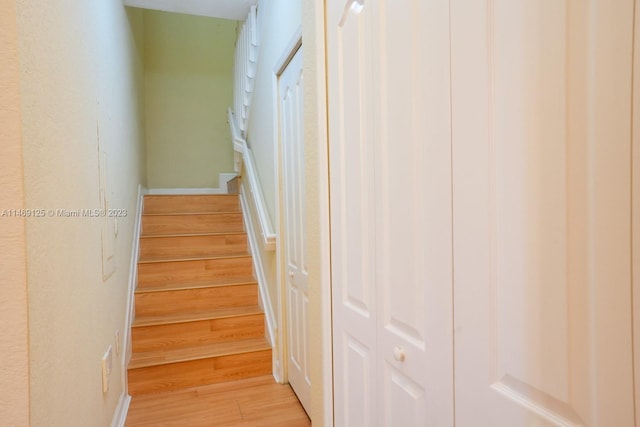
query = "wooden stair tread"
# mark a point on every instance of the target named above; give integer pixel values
(223, 281)
(204, 233)
(161, 203)
(164, 357)
(186, 223)
(142, 321)
(178, 213)
(244, 254)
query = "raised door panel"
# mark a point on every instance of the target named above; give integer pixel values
(413, 212)
(541, 185)
(351, 123)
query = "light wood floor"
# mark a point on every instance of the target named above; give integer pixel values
(259, 402)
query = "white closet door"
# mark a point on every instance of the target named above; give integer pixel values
(352, 190)
(290, 89)
(413, 269)
(542, 202)
(390, 151)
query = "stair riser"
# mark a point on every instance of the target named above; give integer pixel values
(185, 224)
(186, 334)
(194, 203)
(198, 271)
(180, 375)
(190, 246)
(194, 300)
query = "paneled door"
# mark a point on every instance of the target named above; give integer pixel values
(541, 139)
(390, 160)
(290, 88)
(481, 200)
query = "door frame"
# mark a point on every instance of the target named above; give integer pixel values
(281, 365)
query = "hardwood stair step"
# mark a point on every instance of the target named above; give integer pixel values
(152, 372)
(197, 372)
(191, 329)
(187, 354)
(223, 313)
(222, 281)
(173, 302)
(190, 245)
(194, 270)
(178, 258)
(191, 203)
(198, 223)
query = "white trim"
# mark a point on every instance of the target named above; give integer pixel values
(120, 416)
(272, 326)
(268, 235)
(245, 68)
(287, 54)
(125, 354)
(283, 345)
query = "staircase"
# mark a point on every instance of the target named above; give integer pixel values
(197, 319)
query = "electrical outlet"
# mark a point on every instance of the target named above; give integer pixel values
(117, 342)
(106, 363)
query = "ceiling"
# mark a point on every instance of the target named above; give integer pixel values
(226, 9)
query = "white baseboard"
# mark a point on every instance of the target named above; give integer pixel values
(125, 354)
(120, 416)
(223, 178)
(272, 327)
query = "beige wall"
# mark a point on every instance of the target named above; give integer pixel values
(279, 21)
(14, 355)
(80, 73)
(188, 86)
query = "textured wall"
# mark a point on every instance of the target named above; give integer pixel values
(14, 357)
(189, 86)
(80, 76)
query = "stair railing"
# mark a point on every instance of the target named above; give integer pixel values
(246, 61)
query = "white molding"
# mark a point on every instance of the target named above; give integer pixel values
(272, 326)
(125, 354)
(287, 54)
(267, 232)
(283, 344)
(245, 68)
(120, 416)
